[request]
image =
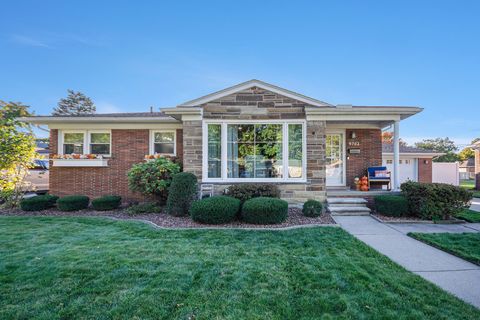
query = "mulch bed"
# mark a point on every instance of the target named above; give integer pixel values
(295, 218)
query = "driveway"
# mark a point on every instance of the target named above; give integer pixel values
(450, 273)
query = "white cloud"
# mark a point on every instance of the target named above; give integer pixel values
(28, 41)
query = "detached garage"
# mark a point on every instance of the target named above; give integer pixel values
(415, 164)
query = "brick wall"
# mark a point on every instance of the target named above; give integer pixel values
(370, 145)
(128, 147)
(425, 170)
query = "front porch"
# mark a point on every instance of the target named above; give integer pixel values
(347, 192)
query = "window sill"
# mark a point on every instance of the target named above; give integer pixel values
(80, 163)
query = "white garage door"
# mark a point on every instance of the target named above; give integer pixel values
(408, 169)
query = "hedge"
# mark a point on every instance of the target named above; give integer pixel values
(73, 203)
(435, 201)
(181, 193)
(391, 205)
(247, 191)
(215, 210)
(106, 203)
(38, 203)
(312, 208)
(264, 210)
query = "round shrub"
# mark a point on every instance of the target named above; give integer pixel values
(215, 210)
(73, 203)
(312, 208)
(390, 205)
(247, 191)
(181, 193)
(153, 177)
(38, 203)
(265, 210)
(106, 203)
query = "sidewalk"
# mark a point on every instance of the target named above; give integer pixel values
(450, 273)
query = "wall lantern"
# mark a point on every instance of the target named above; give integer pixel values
(425, 161)
(353, 135)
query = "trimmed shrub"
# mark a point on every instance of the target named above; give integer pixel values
(312, 208)
(38, 203)
(265, 211)
(435, 201)
(215, 210)
(73, 203)
(142, 208)
(106, 203)
(392, 206)
(181, 193)
(153, 178)
(247, 191)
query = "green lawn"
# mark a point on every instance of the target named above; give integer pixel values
(463, 245)
(469, 184)
(469, 215)
(96, 268)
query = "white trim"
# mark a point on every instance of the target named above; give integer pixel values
(86, 140)
(73, 119)
(225, 179)
(344, 152)
(254, 83)
(80, 163)
(151, 142)
(413, 155)
(112, 126)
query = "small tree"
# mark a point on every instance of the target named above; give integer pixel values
(153, 178)
(76, 103)
(444, 145)
(17, 147)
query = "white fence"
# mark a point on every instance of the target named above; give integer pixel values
(445, 172)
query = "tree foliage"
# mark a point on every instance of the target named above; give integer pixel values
(17, 147)
(76, 103)
(387, 137)
(443, 145)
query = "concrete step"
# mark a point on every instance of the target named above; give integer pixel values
(354, 201)
(359, 210)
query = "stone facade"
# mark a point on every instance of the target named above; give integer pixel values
(254, 103)
(192, 147)
(425, 170)
(369, 141)
(128, 147)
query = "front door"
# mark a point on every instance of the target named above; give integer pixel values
(335, 162)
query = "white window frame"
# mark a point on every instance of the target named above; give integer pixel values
(225, 179)
(86, 140)
(152, 141)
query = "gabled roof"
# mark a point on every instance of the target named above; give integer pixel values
(250, 84)
(387, 148)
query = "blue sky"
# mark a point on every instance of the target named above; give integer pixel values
(129, 55)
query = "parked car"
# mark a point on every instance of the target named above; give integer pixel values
(37, 178)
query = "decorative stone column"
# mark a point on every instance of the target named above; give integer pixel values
(192, 147)
(316, 174)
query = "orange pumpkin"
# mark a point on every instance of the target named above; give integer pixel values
(364, 188)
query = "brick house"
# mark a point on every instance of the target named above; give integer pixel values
(251, 132)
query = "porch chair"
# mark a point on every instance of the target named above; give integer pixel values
(379, 175)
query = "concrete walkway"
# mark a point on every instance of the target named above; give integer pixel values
(475, 204)
(450, 273)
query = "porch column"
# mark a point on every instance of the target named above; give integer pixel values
(396, 155)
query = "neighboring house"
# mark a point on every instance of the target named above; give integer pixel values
(42, 148)
(476, 148)
(415, 164)
(251, 132)
(466, 169)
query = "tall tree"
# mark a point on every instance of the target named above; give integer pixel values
(468, 153)
(443, 145)
(387, 137)
(76, 103)
(17, 147)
